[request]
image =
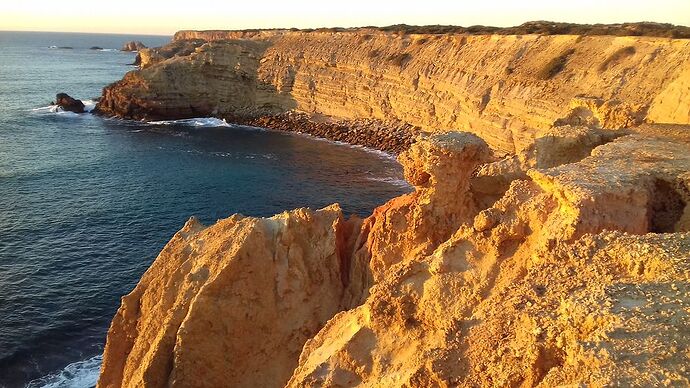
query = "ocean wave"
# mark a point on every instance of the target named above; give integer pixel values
(199, 122)
(80, 374)
(391, 180)
(108, 49)
(380, 153)
(89, 105)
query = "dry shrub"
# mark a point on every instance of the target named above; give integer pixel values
(401, 59)
(617, 56)
(556, 65)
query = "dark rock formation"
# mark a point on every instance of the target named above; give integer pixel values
(137, 60)
(96, 48)
(132, 46)
(64, 101)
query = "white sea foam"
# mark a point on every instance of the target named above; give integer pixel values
(381, 154)
(199, 122)
(89, 105)
(393, 181)
(80, 374)
(108, 49)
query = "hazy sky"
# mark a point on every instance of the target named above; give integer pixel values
(166, 17)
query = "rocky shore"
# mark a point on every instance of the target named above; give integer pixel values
(547, 268)
(504, 88)
(389, 137)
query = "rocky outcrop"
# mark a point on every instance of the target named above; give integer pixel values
(565, 264)
(133, 45)
(69, 104)
(505, 88)
(557, 283)
(231, 304)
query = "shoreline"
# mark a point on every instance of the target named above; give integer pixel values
(391, 138)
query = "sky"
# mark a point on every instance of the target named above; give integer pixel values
(166, 17)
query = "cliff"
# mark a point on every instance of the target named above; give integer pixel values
(565, 264)
(231, 304)
(547, 244)
(505, 88)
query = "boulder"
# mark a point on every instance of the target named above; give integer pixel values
(132, 46)
(64, 101)
(96, 48)
(137, 60)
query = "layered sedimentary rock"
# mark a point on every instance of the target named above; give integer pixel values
(231, 304)
(547, 244)
(566, 264)
(504, 88)
(559, 282)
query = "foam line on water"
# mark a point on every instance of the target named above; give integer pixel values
(198, 122)
(380, 153)
(80, 374)
(391, 180)
(89, 105)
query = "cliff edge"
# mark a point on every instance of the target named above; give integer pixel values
(568, 263)
(548, 244)
(504, 88)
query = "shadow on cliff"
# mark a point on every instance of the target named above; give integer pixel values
(219, 79)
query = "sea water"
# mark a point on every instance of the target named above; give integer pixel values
(86, 202)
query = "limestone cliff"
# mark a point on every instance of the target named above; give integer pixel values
(557, 283)
(505, 88)
(546, 245)
(231, 304)
(566, 264)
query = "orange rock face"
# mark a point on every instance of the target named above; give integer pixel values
(548, 245)
(504, 88)
(543, 288)
(566, 264)
(231, 304)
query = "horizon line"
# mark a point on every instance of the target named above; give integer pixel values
(331, 27)
(335, 27)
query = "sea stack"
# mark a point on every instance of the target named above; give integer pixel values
(67, 103)
(133, 45)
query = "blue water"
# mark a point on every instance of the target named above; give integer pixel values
(86, 203)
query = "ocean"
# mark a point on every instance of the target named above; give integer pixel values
(86, 203)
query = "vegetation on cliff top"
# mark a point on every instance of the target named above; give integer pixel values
(664, 30)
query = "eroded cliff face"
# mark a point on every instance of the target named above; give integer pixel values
(231, 304)
(559, 282)
(567, 263)
(548, 244)
(504, 88)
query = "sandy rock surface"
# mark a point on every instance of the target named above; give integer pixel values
(577, 273)
(548, 244)
(504, 88)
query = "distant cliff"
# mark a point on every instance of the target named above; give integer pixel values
(504, 88)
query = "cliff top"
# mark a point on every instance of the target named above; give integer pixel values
(664, 30)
